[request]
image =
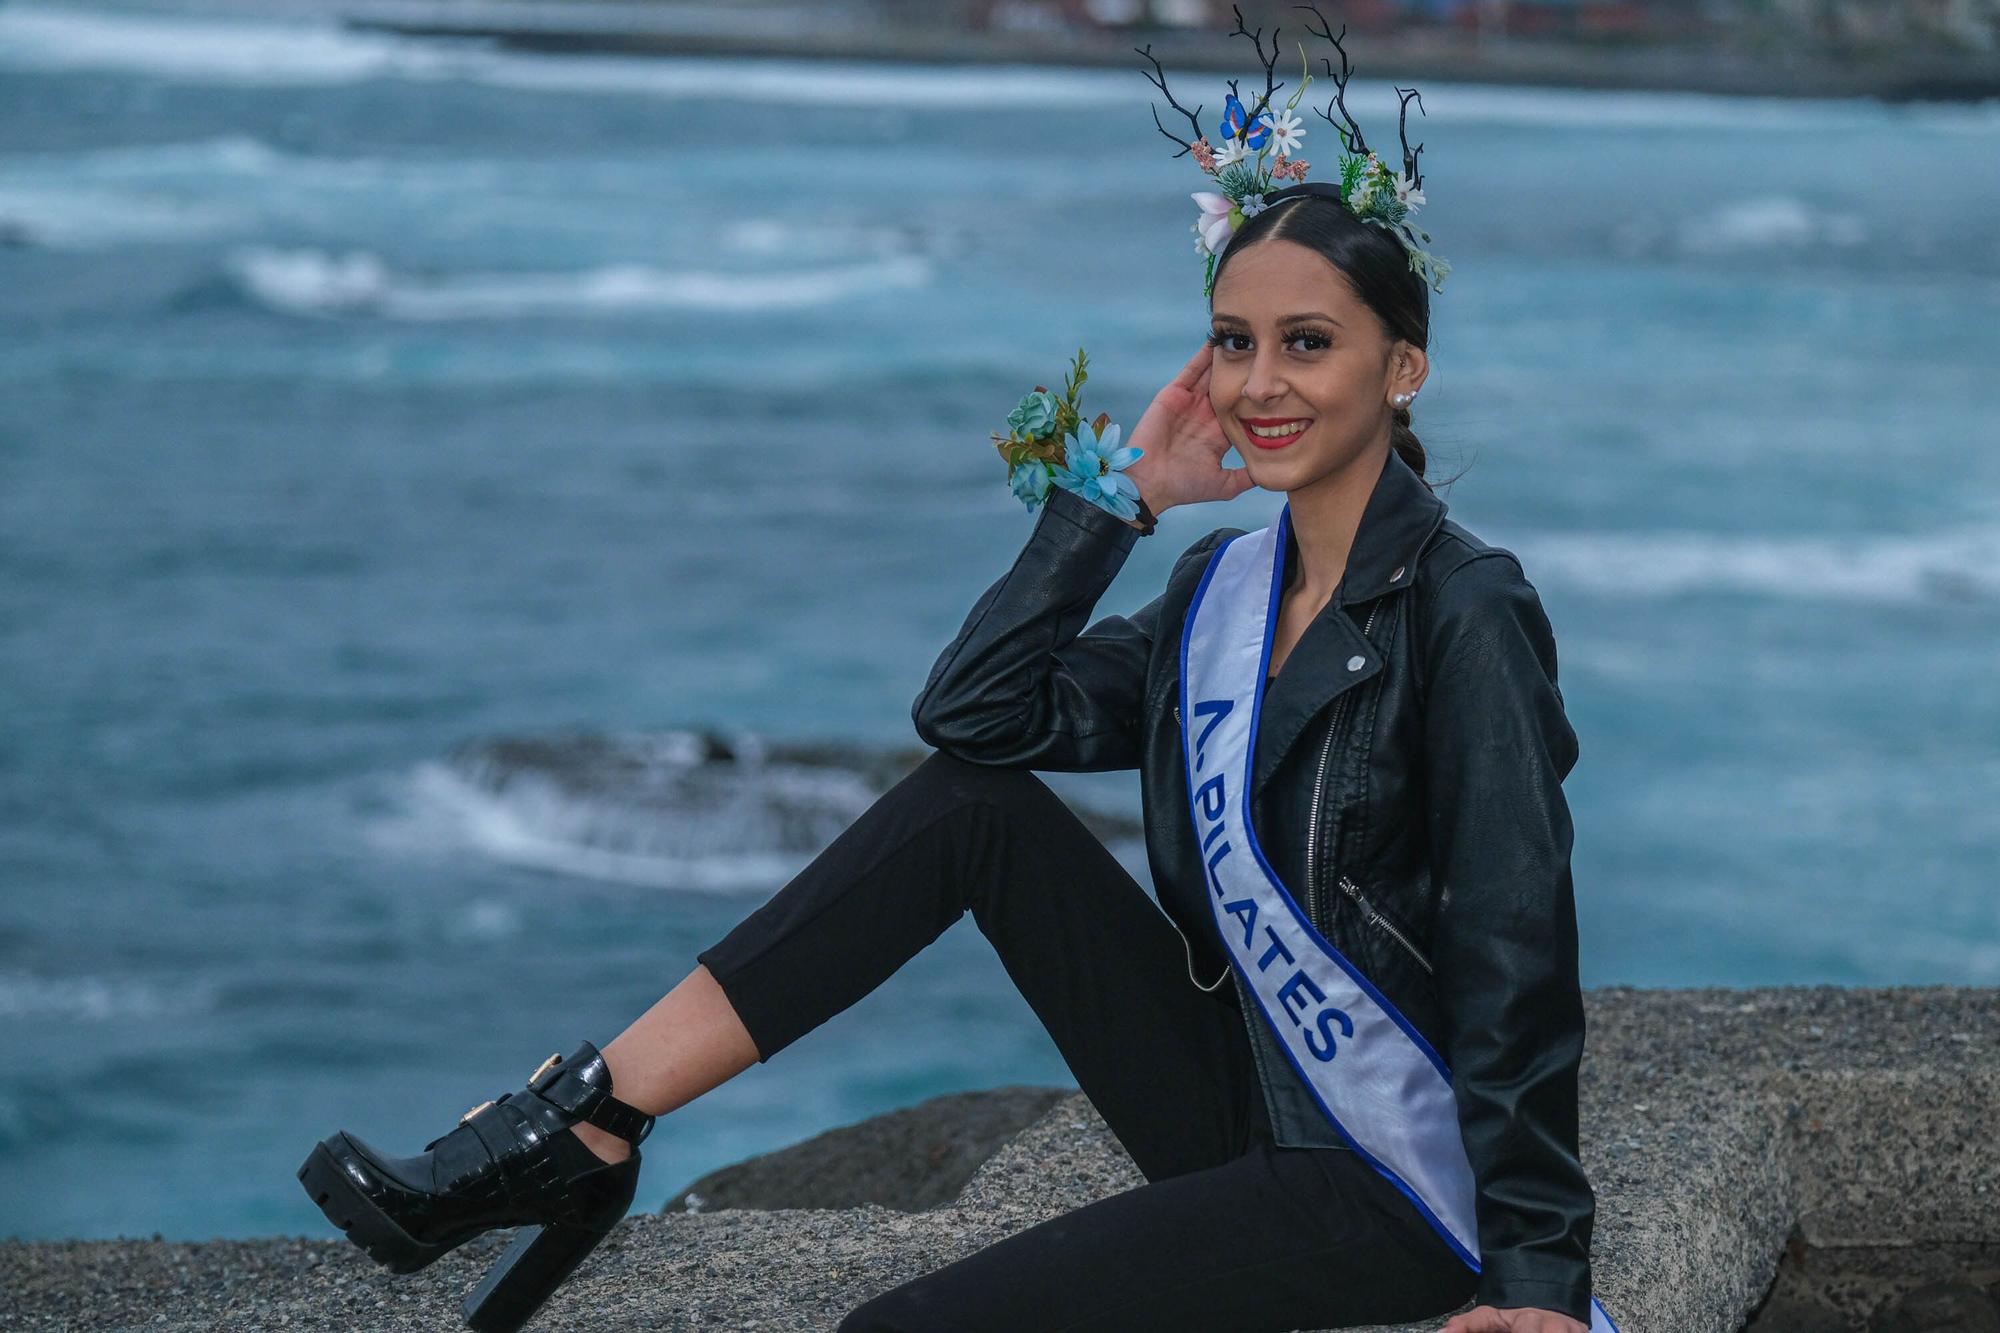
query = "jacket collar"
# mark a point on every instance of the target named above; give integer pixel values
(1399, 518)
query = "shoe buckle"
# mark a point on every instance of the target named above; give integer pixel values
(474, 1111)
(555, 1058)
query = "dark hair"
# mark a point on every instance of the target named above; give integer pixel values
(1374, 263)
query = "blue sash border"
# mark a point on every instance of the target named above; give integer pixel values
(1258, 687)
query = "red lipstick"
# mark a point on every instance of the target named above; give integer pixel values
(1278, 441)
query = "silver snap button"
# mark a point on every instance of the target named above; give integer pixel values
(1398, 574)
(1356, 662)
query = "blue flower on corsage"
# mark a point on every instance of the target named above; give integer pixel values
(1030, 482)
(1093, 467)
(1050, 443)
(1034, 415)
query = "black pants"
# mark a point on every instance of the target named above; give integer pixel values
(1231, 1232)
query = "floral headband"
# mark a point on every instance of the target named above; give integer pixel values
(1049, 442)
(1370, 191)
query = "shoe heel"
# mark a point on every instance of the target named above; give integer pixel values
(524, 1276)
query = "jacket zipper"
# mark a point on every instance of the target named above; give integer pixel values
(1319, 779)
(1353, 890)
(1375, 918)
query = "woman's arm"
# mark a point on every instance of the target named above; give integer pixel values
(1498, 746)
(1024, 685)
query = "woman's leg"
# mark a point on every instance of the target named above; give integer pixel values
(1166, 1064)
(1275, 1239)
(688, 1042)
(1230, 1231)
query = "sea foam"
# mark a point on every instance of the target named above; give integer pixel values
(307, 281)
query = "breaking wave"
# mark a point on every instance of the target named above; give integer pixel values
(359, 282)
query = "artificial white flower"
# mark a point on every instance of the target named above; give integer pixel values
(1357, 198)
(1286, 131)
(1406, 192)
(1232, 150)
(1252, 205)
(1214, 221)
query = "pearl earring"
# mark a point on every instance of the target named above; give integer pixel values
(1401, 399)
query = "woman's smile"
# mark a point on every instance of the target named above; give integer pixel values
(1274, 432)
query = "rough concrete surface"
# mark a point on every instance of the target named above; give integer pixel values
(1717, 1124)
(909, 1159)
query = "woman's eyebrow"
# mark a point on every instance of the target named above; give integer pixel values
(1288, 319)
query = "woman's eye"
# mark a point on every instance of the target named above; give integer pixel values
(1224, 339)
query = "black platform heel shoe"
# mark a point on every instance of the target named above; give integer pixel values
(508, 1163)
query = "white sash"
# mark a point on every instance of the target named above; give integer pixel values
(1383, 1087)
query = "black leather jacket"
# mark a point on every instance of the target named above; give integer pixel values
(1411, 752)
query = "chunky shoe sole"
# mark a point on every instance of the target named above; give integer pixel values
(509, 1163)
(519, 1283)
(344, 1204)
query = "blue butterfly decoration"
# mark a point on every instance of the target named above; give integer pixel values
(1233, 118)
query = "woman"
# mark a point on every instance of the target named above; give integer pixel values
(1416, 809)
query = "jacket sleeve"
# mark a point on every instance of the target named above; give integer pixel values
(1498, 746)
(1021, 687)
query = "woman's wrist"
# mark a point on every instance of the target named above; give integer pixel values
(1150, 508)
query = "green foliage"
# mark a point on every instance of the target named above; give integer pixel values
(1240, 178)
(1351, 167)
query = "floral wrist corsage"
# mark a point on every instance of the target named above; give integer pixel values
(1049, 441)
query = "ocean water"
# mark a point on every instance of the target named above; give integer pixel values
(407, 449)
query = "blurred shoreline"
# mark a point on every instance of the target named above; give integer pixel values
(1411, 54)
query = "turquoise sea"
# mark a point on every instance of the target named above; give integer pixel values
(408, 447)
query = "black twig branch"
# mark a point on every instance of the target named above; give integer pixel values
(1159, 80)
(1350, 135)
(1270, 64)
(1402, 119)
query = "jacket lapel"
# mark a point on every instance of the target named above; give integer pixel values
(1399, 518)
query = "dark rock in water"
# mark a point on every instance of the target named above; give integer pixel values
(1941, 1307)
(909, 1159)
(682, 795)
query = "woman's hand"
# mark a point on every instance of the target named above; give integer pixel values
(1492, 1319)
(1184, 444)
